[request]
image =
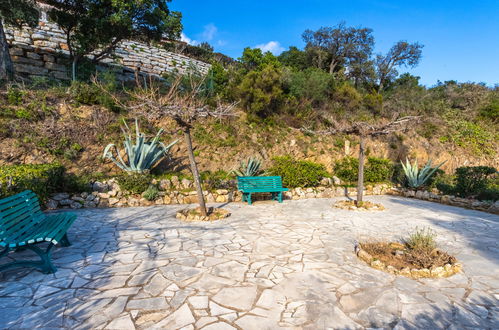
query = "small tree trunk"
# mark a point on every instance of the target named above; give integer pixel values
(6, 67)
(195, 172)
(360, 182)
(332, 66)
(73, 68)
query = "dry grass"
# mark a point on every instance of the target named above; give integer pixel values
(401, 255)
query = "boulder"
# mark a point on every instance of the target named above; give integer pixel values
(52, 204)
(60, 197)
(100, 186)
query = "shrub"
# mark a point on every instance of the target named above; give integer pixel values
(378, 170)
(15, 96)
(134, 183)
(421, 239)
(217, 180)
(151, 193)
(471, 180)
(43, 179)
(297, 173)
(375, 170)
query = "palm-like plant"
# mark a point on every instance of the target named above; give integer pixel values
(141, 156)
(416, 177)
(252, 167)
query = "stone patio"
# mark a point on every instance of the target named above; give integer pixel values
(268, 266)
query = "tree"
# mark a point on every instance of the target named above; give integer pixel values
(16, 13)
(295, 58)
(364, 130)
(97, 26)
(185, 104)
(342, 45)
(401, 54)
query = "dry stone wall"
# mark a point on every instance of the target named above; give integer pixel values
(43, 52)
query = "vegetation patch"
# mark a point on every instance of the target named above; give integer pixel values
(195, 214)
(298, 173)
(416, 257)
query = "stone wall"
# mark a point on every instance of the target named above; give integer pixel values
(469, 203)
(175, 191)
(43, 52)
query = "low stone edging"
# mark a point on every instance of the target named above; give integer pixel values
(175, 191)
(469, 203)
(433, 272)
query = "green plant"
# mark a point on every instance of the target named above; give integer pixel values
(15, 96)
(135, 183)
(416, 177)
(43, 179)
(151, 193)
(422, 239)
(142, 155)
(252, 167)
(376, 169)
(297, 173)
(471, 180)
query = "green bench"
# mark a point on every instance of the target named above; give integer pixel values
(23, 225)
(260, 184)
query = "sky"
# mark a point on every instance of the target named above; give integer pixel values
(460, 38)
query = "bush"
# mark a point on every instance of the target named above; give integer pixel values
(151, 193)
(471, 180)
(42, 179)
(378, 170)
(297, 173)
(134, 183)
(375, 170)
(480, 182)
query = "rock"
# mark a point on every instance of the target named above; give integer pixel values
(89, 205)
(363, 255)
(174, 181)
(378, 264)
(78, 199)
(84, 195)
(76, 205)
(241, 298)
(90, 197)
(438, 272)
(103, 195)
(113, 201)
(494, 208)
(326, 182)
(52, 204)
(133, 202)
(336, 181)
(65, 202)
(112, 193)
(100, 186)
(60, 197)
(165, 184)
(186, 183)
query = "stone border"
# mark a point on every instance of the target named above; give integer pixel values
(213, 215)
(469, 203)
(366, 206)
(176, 191)
(433, 272)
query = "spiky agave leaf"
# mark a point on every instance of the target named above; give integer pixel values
(142, 154)
(415, 177)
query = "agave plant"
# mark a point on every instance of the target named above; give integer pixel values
(415, 177)
(141, 156)
(249, 168)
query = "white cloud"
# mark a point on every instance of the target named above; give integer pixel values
(209, 32)
(186, 39)
(272, 46)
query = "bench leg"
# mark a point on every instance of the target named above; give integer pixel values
(280, 197)
(65, 241)
(249, 198)
(45, 264)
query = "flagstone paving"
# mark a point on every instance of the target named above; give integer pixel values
(268, 266)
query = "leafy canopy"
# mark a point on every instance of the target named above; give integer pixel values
(92, 25)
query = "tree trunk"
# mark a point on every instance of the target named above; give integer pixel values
(6, 67)
(360, 182)
(73, 68)
(195, 172)
(332, 66)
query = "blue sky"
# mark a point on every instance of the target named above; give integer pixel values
(461, 38)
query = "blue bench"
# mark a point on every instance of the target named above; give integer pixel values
(260, 184)
(23, 225)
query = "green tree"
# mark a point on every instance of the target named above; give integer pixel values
(401, 54)
(254, 58)
(295, 58)
(97, 26)
(340, 45)
(15, 13)
(260, 91)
